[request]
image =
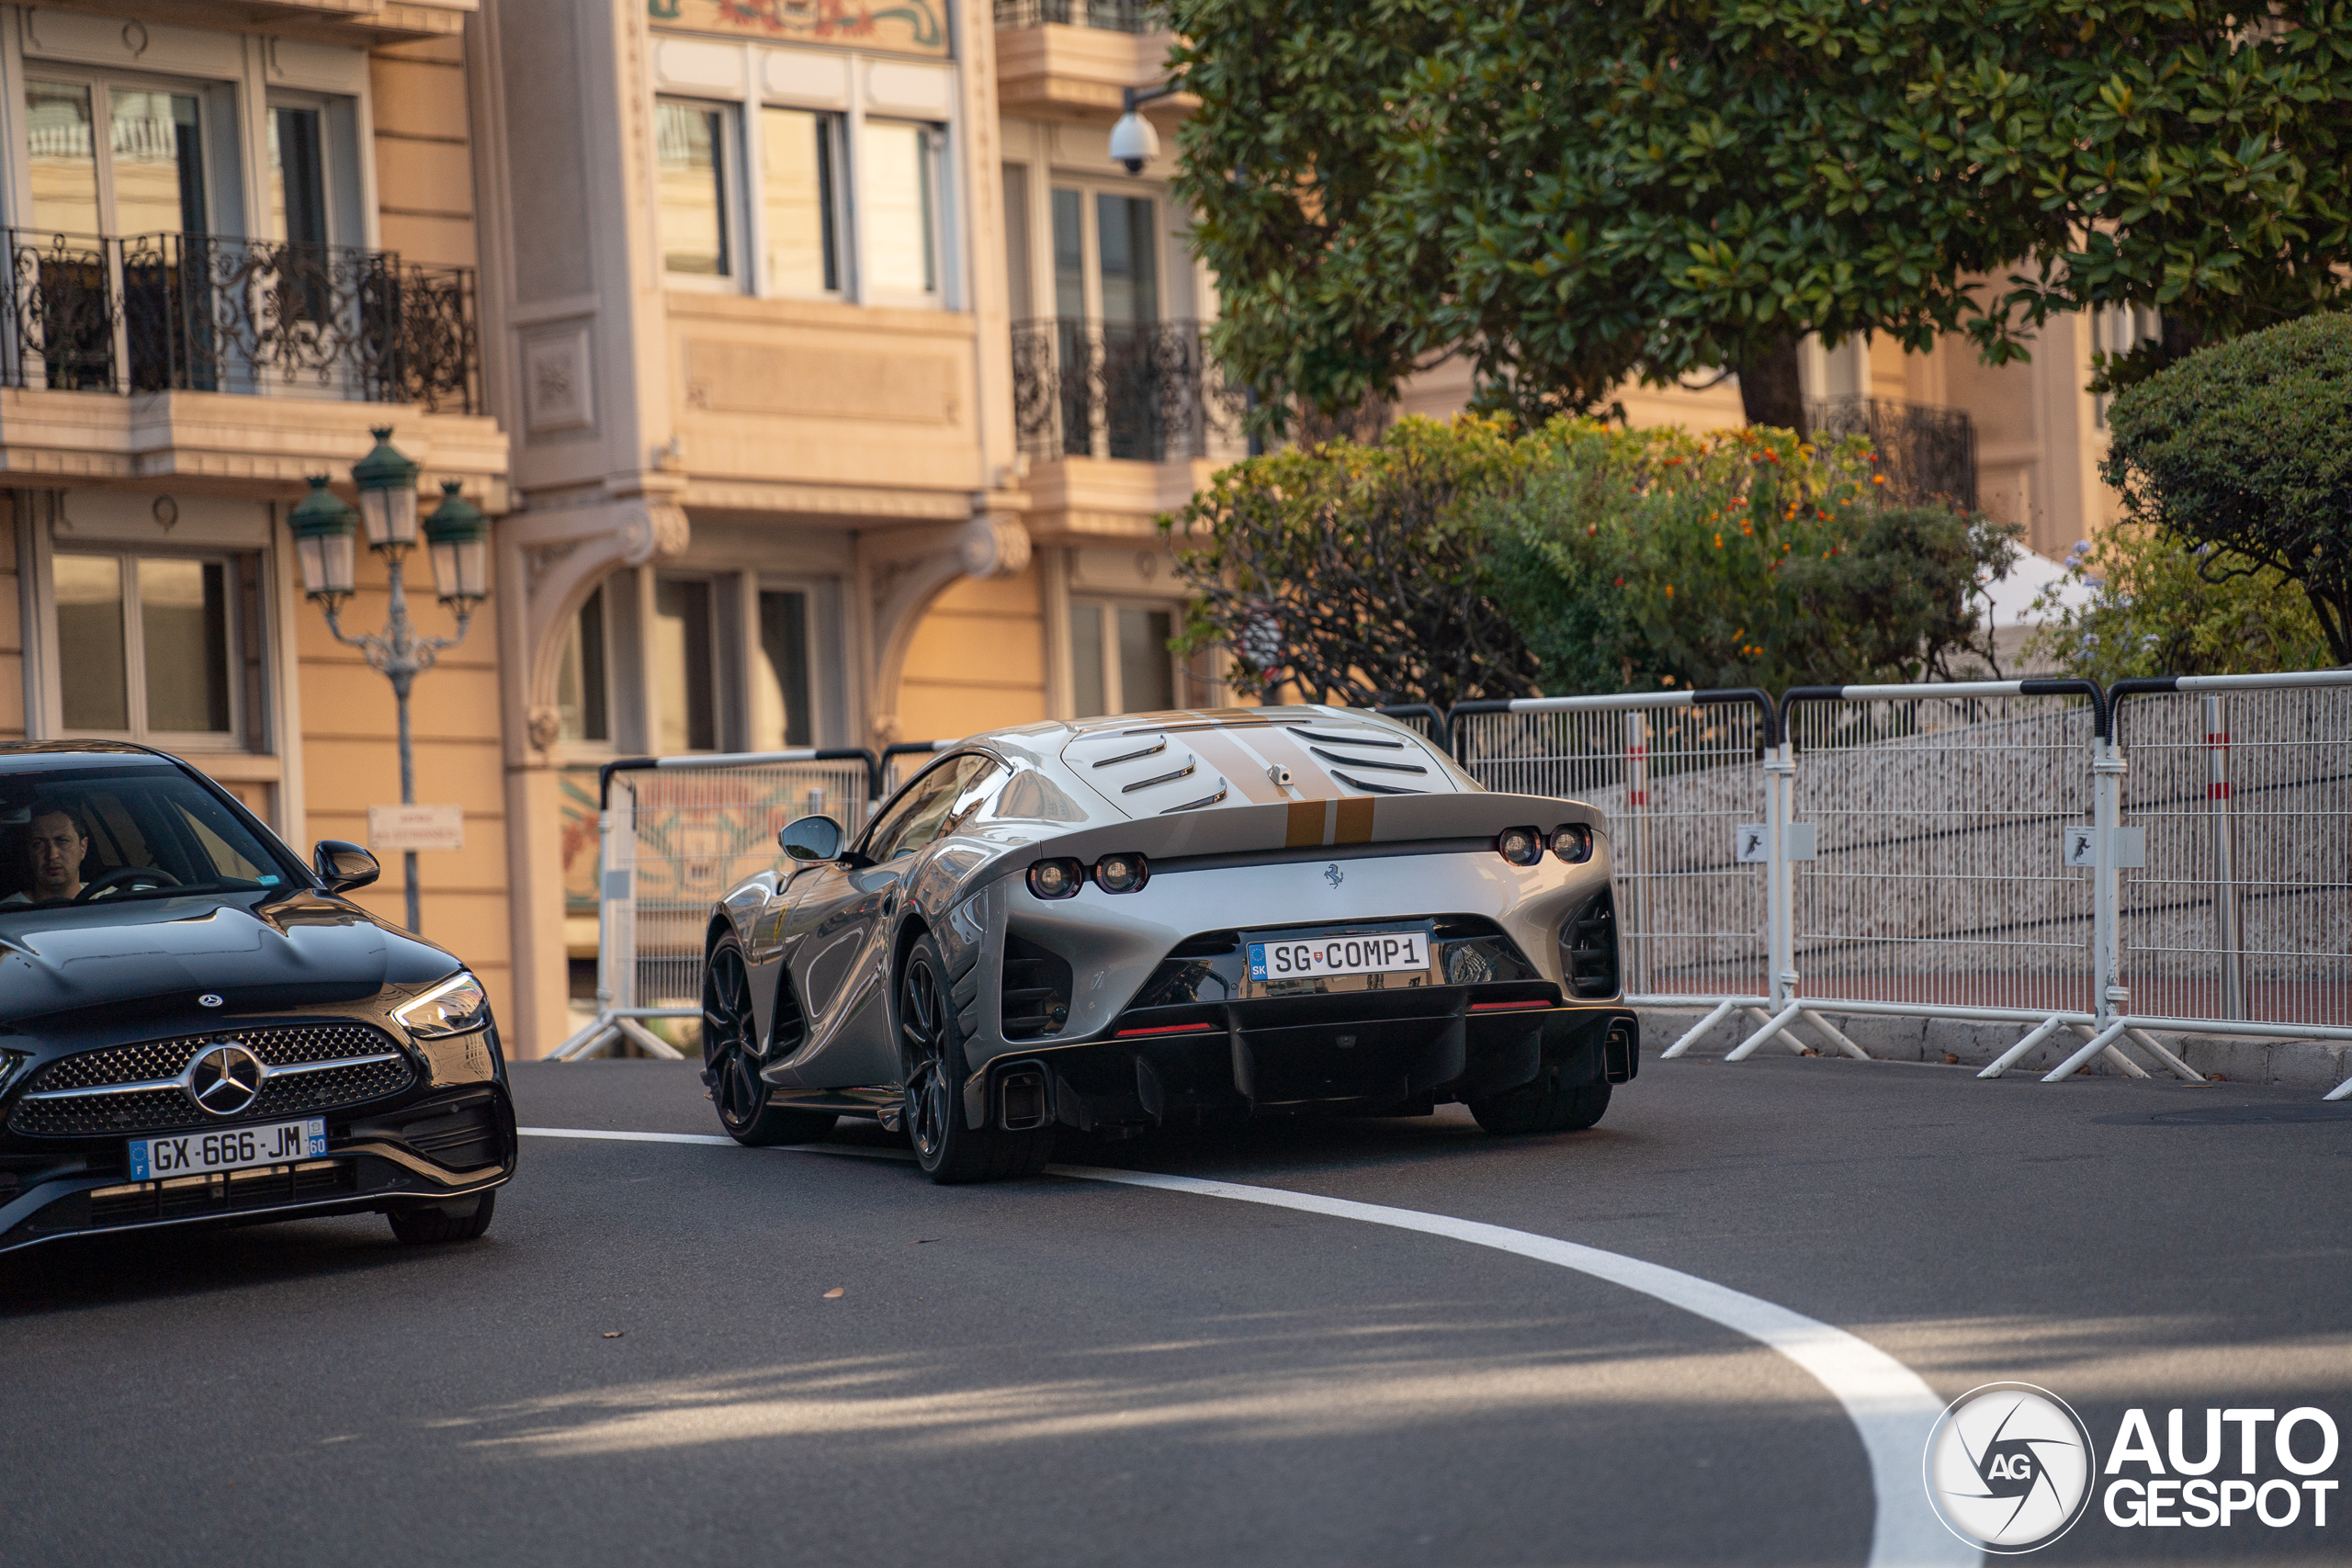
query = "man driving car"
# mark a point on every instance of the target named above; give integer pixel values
(54, 848)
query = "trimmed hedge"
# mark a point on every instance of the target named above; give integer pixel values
(2246, 448)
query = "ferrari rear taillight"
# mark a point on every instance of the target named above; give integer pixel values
(1057, 878)
(1121, 874)
(1520, 846)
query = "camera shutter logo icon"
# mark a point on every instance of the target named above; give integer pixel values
(2010, 1468)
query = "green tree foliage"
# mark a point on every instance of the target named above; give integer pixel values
(1355, 570)
(2243, 454)
(1450, 562)
(2149, 611)
(1637, 558)
(1571, 191)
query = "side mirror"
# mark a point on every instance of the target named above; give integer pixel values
(343, 867)
(811, 838)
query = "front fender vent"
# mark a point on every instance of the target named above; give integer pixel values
(789, 1026)
(1589, 948)
(1036, 991)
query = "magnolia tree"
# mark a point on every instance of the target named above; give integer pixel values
(1570, 192)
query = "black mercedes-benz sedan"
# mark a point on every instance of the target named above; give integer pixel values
(197, 1028)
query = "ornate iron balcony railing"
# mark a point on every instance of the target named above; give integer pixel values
(1110, 16)
(1926, 452)
(1149, 392)
(197, 313)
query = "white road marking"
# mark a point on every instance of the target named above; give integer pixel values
(1891, 1407)
(624, 1137)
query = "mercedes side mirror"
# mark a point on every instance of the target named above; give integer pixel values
(343, 867)
(811, 838)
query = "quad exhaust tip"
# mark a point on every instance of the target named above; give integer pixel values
(1021, 1099)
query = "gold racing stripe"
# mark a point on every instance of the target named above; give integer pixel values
(1241, 772)
(1305, 824)
(1307, 776)
(1356, 819)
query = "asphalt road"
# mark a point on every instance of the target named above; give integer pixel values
(644, 1359)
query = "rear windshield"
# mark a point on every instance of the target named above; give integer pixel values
(92, 836)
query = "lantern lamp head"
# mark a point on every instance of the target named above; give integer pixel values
(457, 535)
(387, 482)
(324, 526)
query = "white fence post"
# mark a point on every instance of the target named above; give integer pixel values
(1779, 875)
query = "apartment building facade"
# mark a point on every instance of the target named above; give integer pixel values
(847, 377)
(238, 237)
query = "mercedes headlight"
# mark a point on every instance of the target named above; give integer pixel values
(456, 1006)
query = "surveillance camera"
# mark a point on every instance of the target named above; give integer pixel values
(1134, 142)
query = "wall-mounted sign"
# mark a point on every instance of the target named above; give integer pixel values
(416, 828)
(902, 27)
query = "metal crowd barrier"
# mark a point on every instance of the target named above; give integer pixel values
(674, 833)
(1690, 814)
(2240, 922)
(1977, 850)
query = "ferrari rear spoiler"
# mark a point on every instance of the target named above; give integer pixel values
(1305, 828)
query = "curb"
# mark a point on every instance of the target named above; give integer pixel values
(2296, 1063)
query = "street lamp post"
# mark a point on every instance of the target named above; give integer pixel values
(457, 541)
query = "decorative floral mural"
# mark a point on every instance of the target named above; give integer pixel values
(903, 27)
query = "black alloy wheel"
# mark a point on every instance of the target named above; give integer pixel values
(731, 1059)
(931, 1051)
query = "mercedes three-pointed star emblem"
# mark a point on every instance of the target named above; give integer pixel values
(224, 1079)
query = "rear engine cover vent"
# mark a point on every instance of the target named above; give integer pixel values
(1365, 761)
(1589, 948)
(1037, 989)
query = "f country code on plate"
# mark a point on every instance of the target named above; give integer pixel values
(230, 1148)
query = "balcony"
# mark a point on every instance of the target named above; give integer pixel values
(1146, 393)
(1106, 16)
(1926, 452)
(1068, 59)
(204, 314)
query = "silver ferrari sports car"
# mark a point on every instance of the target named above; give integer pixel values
(1166, 920)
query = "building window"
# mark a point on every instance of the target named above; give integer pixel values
(2116, 330)
(686, 686)
(780, 710)
(1016, 241)
(297, 174)
(1120, 660)
(799, 156)
(155, 175)
(582, 697)
(690, 143)
(144, 645)
(901, 185)
(1128, 242)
